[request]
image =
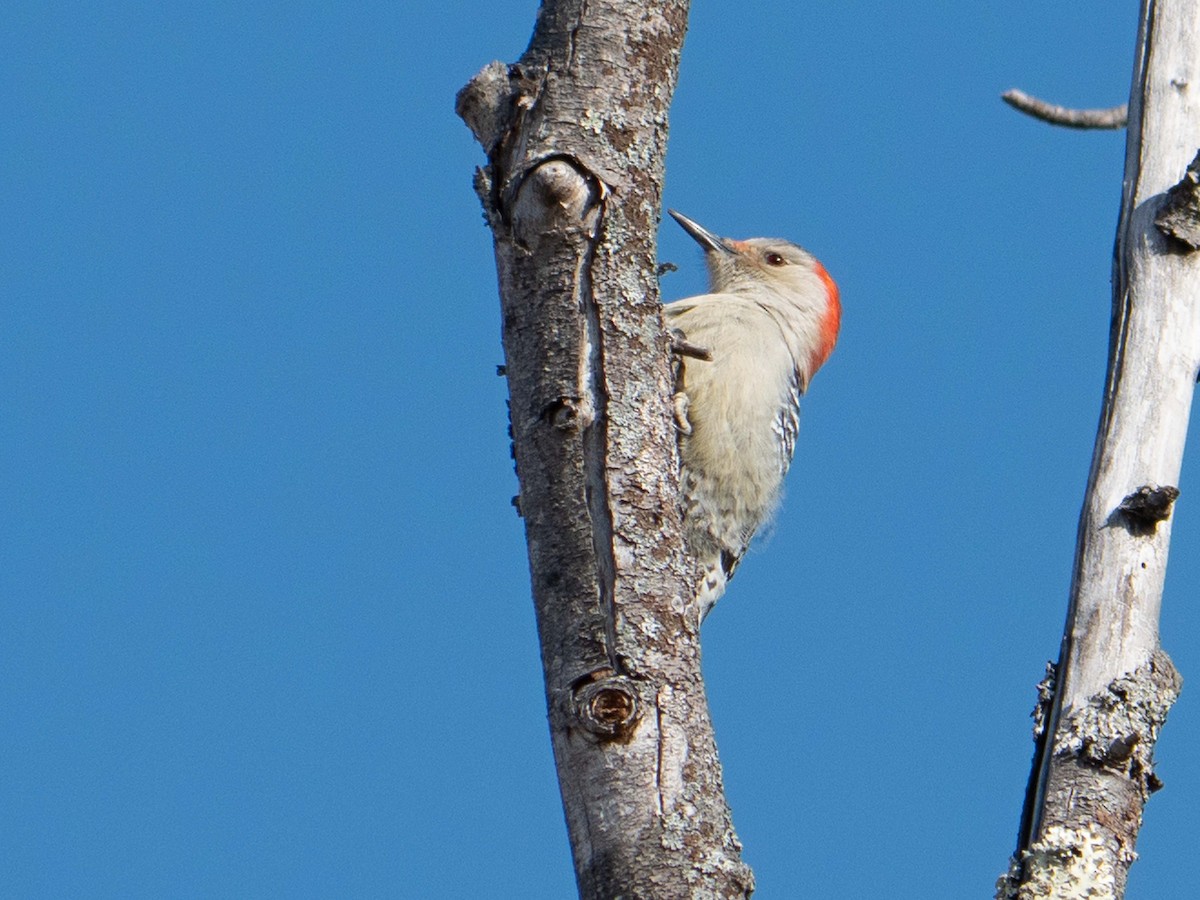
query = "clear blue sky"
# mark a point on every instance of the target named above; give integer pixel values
(265, 628)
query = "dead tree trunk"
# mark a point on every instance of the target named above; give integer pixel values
(575, 134)
(1104, 703)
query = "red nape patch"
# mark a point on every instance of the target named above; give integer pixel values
(830, 322)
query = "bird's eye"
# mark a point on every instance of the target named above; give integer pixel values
(774, 259)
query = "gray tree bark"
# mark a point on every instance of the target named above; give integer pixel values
(575, 134)
(1104, 703)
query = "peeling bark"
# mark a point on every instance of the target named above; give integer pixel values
(575, 134)
(1113, 685)
(1179, 217)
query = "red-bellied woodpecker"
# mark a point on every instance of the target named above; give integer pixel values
(769, 321)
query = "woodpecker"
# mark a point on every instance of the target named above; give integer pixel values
(746, 351)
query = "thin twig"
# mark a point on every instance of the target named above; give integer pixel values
(1113, 117)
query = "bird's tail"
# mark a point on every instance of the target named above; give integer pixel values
(718, 569)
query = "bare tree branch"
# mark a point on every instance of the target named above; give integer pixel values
(575, 134)
(1111, 118)
(1104, 703)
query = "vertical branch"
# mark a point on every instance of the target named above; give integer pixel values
(1113, 685)
(575, 134)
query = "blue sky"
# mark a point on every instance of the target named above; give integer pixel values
(265, 628)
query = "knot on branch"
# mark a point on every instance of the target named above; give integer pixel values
(554, 198)
(1179, 216)
(1148, 505)
(1118, 727)
(569, 413)
(607, 706)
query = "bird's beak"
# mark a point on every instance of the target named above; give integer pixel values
(701, 235)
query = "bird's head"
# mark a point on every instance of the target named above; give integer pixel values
(775, 271)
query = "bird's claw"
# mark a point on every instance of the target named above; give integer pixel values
(679, 409)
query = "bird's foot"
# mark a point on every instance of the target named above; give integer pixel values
(679, 407)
